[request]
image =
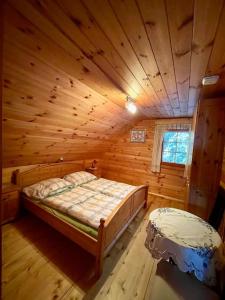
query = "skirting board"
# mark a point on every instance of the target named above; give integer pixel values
(166, 197)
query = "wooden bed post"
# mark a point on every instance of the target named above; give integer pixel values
(15, 177)
(100, 249)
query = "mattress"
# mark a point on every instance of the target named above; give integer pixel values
(110, 188)
(85, 205)
(89, 203)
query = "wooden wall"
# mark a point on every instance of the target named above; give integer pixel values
(207, 155)
(131, 162)
(8, 172)
(223, 168)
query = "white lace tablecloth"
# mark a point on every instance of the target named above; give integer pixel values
(193, 244)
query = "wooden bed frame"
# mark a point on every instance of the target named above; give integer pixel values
(109, 229)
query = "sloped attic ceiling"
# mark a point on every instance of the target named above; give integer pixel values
(69, 65)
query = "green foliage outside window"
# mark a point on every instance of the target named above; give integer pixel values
(175, 147)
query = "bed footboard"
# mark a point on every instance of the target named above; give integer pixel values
(111, 228)
(86, 241)
(126, 211)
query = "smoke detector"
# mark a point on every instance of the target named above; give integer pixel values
(208, 80)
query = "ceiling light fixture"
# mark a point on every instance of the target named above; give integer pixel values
(208, 80)
(130, 105)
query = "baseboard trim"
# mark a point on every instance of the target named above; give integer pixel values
(166, 197)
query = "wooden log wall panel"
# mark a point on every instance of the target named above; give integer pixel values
(131, 163)
(207, 155)
(223, 169)
(7, 173)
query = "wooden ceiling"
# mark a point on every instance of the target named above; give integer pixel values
(69, 65)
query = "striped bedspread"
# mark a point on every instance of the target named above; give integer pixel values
(109, 187)
(86, 205)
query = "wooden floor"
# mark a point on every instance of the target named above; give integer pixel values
(39, 263)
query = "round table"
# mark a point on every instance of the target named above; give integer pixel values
(192, 243)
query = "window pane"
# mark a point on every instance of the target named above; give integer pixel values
(171, 147)
(170, 136)
(183, 137)
(182, 147)
(175, 146)
(181, 158)
(168, 157)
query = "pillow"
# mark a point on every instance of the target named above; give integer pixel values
(79, 178)
(46, 188)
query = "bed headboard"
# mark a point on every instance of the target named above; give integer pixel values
(46, 171)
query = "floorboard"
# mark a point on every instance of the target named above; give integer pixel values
(40, 263)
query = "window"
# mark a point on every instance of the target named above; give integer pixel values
(175, 147)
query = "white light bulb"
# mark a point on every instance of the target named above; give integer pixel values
(131, 107)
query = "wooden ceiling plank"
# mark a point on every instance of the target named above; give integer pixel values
(127, 13)
(30, 116)
(76, 83)
(216, 65)
(180, 18)
(85, 71)
(88, 26)
(155, 21)
(111, 27)
(42, 47)
(40, 103)
(35, 144)
(34, 115)
(17, 95)
(28, 147)
(19, 128)
(217, 59)
(50, 10)
(206, 17)
(46, 110)
(76, 119)
(76, 99)
(67, 138)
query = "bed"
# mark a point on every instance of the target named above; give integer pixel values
(96, 240)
